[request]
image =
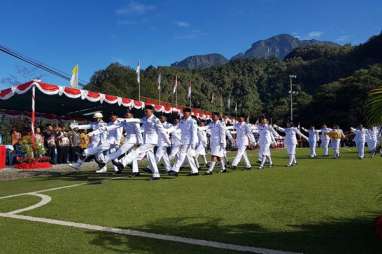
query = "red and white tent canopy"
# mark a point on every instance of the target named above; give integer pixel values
(72, 102)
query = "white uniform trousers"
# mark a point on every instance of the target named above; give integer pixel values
(174, 152)
(126, 147)
(241, 153)
(313, 146)
(94, 149)
(325, 146)
(336, 143)
(161, 153)
(185, 152)
(360, 149)
(139, 153)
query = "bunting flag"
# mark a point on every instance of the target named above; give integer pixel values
(159, 81)
(189, 90)
(139, 73)
(74, 78)
(175, 85)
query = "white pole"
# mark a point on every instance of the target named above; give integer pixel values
(33, 113)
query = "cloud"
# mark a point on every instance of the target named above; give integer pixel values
(135, 8)
(182, 24)
(315, 34)
(296, 35)
(345, 38)
(191, 35)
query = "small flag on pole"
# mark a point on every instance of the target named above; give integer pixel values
(175, 85)
(139, 73)
(159, 80)
(74, 78)
(212, 98)
(189, 90)
(236, 107)
(229, 102)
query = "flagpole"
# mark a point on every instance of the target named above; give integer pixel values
(176, 98)
(159, 96)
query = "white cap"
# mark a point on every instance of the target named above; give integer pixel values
(98, 115)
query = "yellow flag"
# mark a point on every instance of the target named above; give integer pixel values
(74, 78)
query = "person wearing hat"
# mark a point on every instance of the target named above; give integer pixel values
(244, 138)
(133, 137)
(189, 139)
(202, 144)
(99, 142)
(152, 128)
(336, 134)
(176, 136)
(161, 152)
(217, 143)
(291, 133)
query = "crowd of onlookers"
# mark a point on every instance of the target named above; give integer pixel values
(61, 144)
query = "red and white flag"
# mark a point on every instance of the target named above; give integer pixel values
(138, 70)
(159, 80)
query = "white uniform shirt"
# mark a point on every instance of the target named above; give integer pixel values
(244, 135)
(266, 134)
(189, 133)
(176, 136)
(115, 135)
(360, 134)
(218, 133)
(291, 135)
(324, 134)
(163, 137)
(133, 134)
(152, 128)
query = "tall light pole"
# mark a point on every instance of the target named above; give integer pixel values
(291, 95)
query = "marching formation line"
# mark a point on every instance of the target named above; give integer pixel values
(171, 238)
(42, 191)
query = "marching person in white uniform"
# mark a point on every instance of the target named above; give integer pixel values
(335, 140)
(360, 140)
(133, 137)
(217, 143)
(244, 138)
(325, 139)
(162, 146)
(314, 137)
(266, 139)
(176, 136)
(152, 128)
(291, 141)
(99, 142)
(202, 145)
(372, 140)
(114, 139)
(189, 139)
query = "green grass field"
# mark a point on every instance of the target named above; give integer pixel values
(320, 206)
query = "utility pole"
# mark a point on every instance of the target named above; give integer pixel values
(291, 95)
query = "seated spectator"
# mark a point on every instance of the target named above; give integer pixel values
(15, 136)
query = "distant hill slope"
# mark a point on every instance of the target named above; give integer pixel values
(201, 61)
(277, 46)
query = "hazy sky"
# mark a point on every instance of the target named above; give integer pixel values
(95, 33)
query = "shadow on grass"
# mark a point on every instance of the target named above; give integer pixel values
(336, 236)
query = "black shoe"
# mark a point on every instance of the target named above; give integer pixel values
(135, 174)
(233, 167)
(208, 173)
(193, 174)
(248, 168)
(172, 173)
(223, 171)
(147, 170)
(154, 178)
(118, 165)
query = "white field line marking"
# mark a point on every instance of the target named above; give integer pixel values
(42, 191)
(136, 233)
(45, 199)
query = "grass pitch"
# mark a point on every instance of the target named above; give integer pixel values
(320, 206)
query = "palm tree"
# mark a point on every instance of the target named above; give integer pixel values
(375, 106)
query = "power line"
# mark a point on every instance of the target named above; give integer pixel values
(37, 64)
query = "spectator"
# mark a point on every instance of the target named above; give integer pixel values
(75, 142)
(50, 143)
(39, 138)
(84, 140)
(63, 145)
(16, 136)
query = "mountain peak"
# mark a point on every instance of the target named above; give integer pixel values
(201, 61)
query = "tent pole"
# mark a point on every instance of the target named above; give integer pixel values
(33, 114)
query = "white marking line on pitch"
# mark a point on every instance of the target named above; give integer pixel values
(42, 191)
(45, 199)
(129, 232)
